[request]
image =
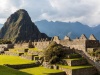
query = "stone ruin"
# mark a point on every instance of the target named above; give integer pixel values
(82, 43)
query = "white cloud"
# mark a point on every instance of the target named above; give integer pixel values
(85, 11)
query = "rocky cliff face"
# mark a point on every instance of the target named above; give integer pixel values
(19, 27)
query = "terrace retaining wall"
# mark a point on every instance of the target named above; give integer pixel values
(22, 66)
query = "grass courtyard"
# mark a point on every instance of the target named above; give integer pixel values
(5, 59)
(75, 67)
(30, 71)
(40, 71)
(9, 71)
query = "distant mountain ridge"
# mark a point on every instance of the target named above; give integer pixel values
(19, 27)
(72, 29)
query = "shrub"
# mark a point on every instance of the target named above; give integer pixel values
(54, 53)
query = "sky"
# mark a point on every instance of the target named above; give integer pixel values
(84, 11)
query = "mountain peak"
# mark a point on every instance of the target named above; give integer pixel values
(19, 27)
(21, 10)
(18, 16)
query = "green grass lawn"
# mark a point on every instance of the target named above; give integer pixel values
(6, 59)
(9, 71)
(40, 71)
(16, 49)
(76, 67)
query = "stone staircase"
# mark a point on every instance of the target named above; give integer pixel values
(77, 65)
(90, 59)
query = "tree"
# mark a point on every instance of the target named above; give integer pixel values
(54, 53)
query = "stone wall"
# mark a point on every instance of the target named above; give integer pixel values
(59, 73)
(23, 66)
(29, 57)
(90, 59)
(23, 50)
(67, 71)
(6, 45)
(76, 44)
(92, 43)
(76, 62)
(41, 44)
(80, 71)
(84, 71)
(2, 50)
(79, 43)
(21, 45)
(13, 53)
(91, 50)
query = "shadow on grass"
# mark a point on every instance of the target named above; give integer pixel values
(23, 66)
(58, 73)
(4, 70)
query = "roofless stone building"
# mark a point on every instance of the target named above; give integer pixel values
(82, 43)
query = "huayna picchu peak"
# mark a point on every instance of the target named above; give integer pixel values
(19, 27)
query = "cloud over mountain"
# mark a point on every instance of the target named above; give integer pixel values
(85, 11)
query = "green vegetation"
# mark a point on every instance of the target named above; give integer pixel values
(2, 41)
(9, 71)
(75, 67)
(40, 71)
(54, 53)
(5, 59)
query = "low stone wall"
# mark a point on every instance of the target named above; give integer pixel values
(29, 57)
(23, 50)
(22, 66)
(86, 71)
(76, 62)
(80, 71)
(67, 71)
(7, 45)
(59, 73)
(2, 50)
(13, 53)
(33, 52)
